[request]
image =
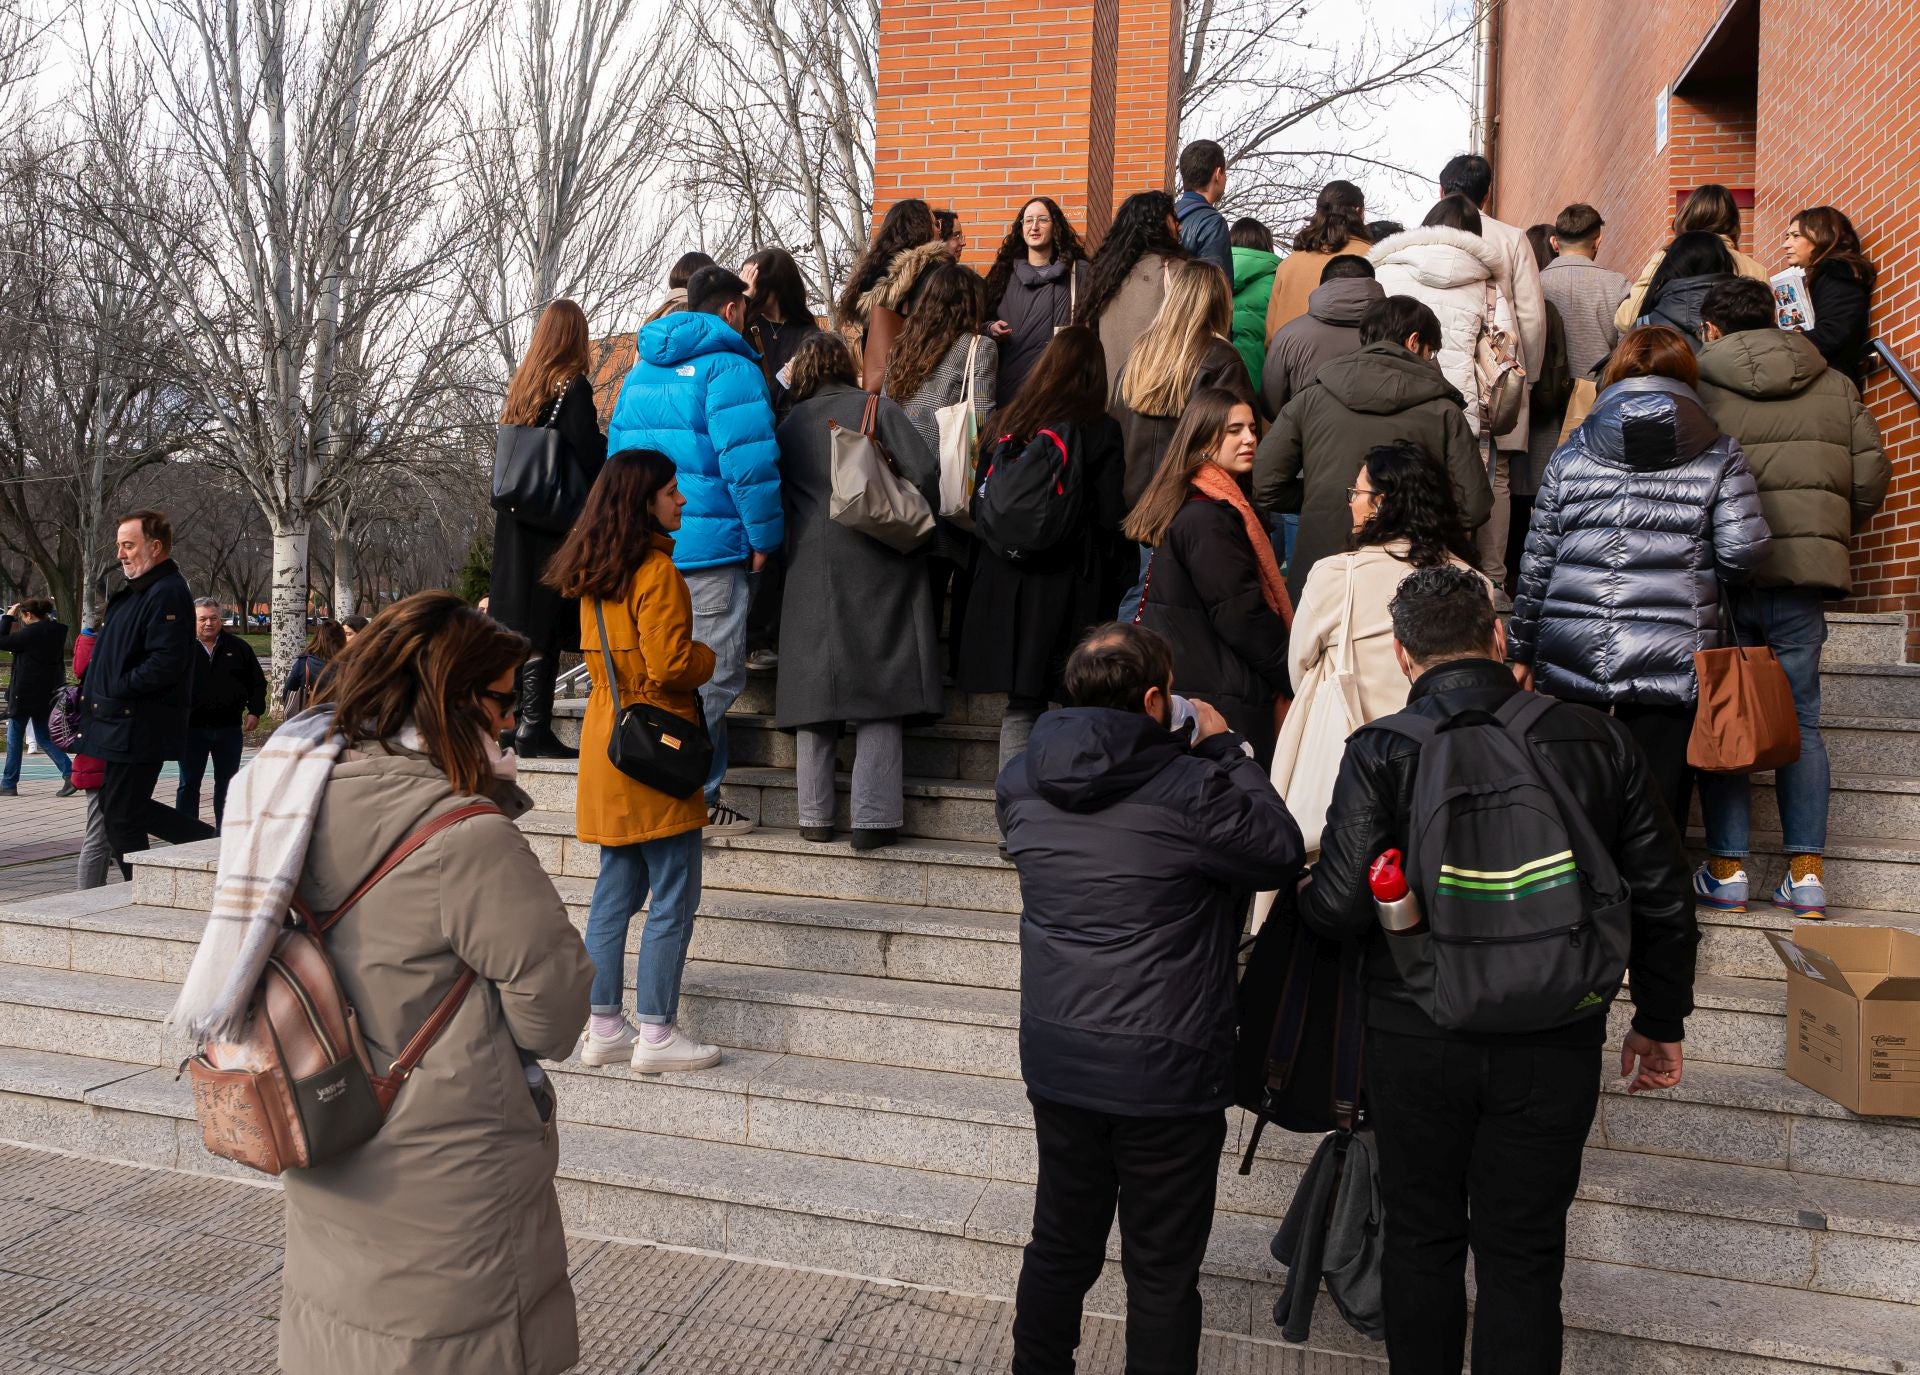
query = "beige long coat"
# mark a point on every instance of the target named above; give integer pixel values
(436, 1248)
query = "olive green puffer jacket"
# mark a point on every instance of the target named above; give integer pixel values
(1813, 447)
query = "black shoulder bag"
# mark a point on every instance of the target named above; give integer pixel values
(534, 482)
(653, 747)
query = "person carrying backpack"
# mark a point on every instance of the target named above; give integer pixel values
(1485, 1022)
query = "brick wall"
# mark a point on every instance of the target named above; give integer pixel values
(1148, 124)
(1835, 120)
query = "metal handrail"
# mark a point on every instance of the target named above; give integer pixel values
(1900, 374)
(572, 683)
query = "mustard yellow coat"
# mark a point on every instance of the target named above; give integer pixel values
(658, 661)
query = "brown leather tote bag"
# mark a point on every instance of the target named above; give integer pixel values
(1744, 721)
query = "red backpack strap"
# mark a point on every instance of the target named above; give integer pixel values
(394, 859)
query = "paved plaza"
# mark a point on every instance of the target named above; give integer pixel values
(40, 832)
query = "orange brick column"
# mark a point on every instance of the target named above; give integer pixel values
(984, 104)
(1147, 123)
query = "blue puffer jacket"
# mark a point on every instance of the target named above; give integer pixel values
(1640, 515)
(697, 396)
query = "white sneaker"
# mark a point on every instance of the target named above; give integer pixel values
(723, 820)
(678, 1052)
(610, 1050)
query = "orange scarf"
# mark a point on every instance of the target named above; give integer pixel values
(1214, 481)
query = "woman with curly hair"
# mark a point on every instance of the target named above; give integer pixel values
(889, 278)
(1126, 281)
(1036, 280)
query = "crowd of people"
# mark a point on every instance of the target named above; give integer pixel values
(1245, 515)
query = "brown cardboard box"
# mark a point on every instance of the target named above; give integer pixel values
(1853, 1015)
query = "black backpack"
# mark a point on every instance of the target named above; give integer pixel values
(1029, 497)
(1528, 923)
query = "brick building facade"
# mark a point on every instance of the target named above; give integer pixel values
(1793, 102)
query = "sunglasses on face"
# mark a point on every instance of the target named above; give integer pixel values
(507, 702)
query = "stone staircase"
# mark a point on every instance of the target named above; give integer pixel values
(869, 1116)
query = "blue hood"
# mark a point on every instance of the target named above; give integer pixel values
(1083, 759)
(673, 339)
(1648, 424)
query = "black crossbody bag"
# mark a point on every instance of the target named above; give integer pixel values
(667, 753)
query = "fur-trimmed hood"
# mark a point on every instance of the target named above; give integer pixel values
(902, 274)
(1440, 257)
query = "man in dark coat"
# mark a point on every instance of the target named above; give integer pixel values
(227, 682)
(1492, 1126)
(139, 690)
(1391, 389)
(1136, 849)
(1203, 229)
(1330, 329)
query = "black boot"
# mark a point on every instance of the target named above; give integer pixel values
(535, 738)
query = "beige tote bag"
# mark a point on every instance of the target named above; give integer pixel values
(959, 446)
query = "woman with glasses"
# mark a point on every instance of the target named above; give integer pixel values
(1036, 280)
(635, 611)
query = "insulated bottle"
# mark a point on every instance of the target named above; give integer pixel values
(1399, 909)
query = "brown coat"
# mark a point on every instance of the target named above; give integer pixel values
(436, 1248)
(1130, 310)
(659, 662)
(1296, 277)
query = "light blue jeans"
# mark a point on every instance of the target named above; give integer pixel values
(17, 749)
(720, 600)
(1792, 622)
(670, 869)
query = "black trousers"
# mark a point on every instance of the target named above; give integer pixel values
(224, 746)
(1663, 732)
(1479, 1147)
(1161, 1173)
(126, 799)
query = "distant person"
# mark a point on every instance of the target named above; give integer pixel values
(1203, 181)
(96, 851)
(1481, 1135)
(352, 625)
(777, 316)
(1127, 280)
(310, 672)
(1709, 209)
(1137, 839)
(1213, 586)
(1330, 329)
(229, 698)
(1390, 389)
(1383, 229)
(949, 229)
(550, 387)
(1033, 287)
(1254, 263)
(139, 690)
(1821, 472)
(677, 278)
(889, 277)
(1839, 279)
(1337, 226)
(1648, 469)
(1693, 265)
(38, 643)
(696, 395)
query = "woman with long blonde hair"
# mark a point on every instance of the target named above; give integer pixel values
(550, 388)
(1187, 348)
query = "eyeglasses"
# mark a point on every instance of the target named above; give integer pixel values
(1355, 493)
(1037, 224)
(507, 702)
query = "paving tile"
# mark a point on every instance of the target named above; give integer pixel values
(707, 1348)
(21, 1218)
(68, 1181)
(839, 1359)
(84, 1249)
(649, 1277)
(924, 1322)
(211, 1344)
(775, 1299)
(98, 1332)
(23, 1299)
(618, 1339)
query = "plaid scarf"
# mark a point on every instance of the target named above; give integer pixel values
(263, 850)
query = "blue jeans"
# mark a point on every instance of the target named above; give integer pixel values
(1130, 604)
(222, 744)
(721, 597)
(1792, 622)
(670, 868)
(17, 749)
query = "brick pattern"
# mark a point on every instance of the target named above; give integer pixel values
(1835, 120)
(1148, 124)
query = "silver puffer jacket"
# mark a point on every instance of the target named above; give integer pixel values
(1640, 514)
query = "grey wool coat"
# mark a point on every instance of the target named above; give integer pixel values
(436, 1248)
(857, 639)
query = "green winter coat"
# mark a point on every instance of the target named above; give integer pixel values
(1813, 447)
(1253, 270)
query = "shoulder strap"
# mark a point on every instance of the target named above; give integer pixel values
(873, 408)
(395, 857)
(973, 350)
(1415, 727)
(1521, 711)
(613, 684)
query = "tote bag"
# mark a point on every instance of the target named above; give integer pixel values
(1496, 365)
(1329, 705)
(1744, 721)
(959, 445)
(868, 494)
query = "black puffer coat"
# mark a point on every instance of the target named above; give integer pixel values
(39, 665)
(1136, 855)
(139, 684)
(1842, 302)
(1639, 516)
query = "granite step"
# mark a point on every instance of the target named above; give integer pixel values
(1872, 744)
(1879, 805)
(966, 1233)
(1866, 637)
(1735, 1021)
(1889, 690)
(1732, 943)
(962, 708)
(1867, 872)
(944, 750)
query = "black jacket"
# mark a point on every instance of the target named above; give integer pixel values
(1841, 303)
(776, 343)
(1203, 594)
(1038, 301)
(1146, 436)
(1679, 302)
(227, 684)
(39, 665)
(1605, 770)
(1136, 855)
(139, 685)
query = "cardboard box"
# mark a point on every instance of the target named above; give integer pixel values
(1853, 1015)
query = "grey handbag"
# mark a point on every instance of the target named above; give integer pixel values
(869, 495)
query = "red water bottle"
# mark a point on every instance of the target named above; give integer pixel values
(1399, 909)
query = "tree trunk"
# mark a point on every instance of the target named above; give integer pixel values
(289, 596)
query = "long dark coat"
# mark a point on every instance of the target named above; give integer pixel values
(857, 638)
(39, 665)
(1023, 620)
(520, 552)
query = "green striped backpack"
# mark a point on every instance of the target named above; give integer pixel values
(1528, 922)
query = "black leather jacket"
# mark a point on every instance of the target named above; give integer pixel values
(1603, 767)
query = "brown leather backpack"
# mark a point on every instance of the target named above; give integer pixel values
(298, 1088)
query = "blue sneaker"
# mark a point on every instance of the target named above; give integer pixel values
(1807, 898)
(1723, 895)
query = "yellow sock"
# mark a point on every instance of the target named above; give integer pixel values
(1805, 867)
(1722, 868)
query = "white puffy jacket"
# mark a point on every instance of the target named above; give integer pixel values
(1447, 270)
